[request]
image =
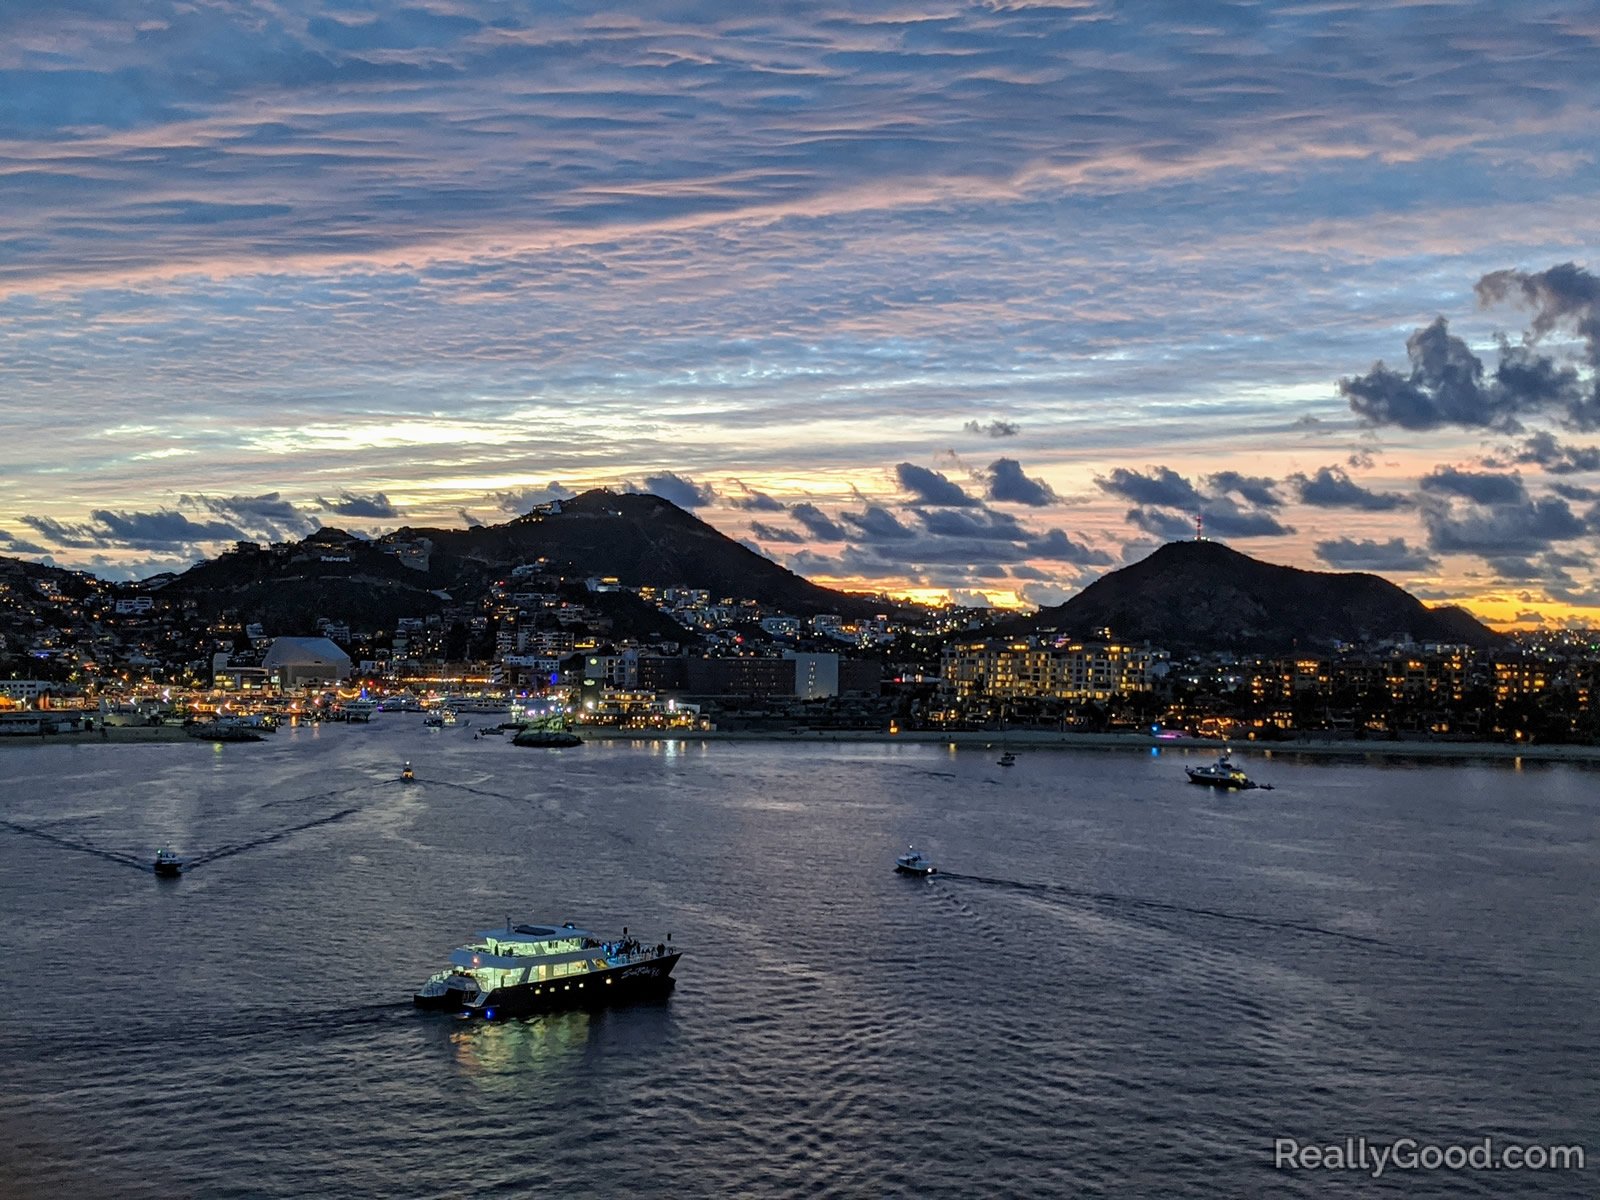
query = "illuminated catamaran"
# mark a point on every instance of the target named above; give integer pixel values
(533, 968)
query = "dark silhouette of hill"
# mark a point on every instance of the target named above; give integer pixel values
(1206, 596)
(640, 540)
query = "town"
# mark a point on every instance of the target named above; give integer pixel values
(547, 648)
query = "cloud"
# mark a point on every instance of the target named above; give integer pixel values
(1161, 490)
(775, 533)
(15, 545)
(1006, 483)
(1447, 383)
(994, 429)
(1545, 450)
(1056, 545)
(164, 529)
(1252, 489)
(350, 504)
(1350, 554)
(1161, 487)
(1481, 487)
(1445, 386)
(930, 487)
(676, 489)
(821, 526)
(751, 500)
(524, 500)
(876, 524)
(267, 517)
(1332, 487)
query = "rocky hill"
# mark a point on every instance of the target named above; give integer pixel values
(640, 540)
(1206, 596)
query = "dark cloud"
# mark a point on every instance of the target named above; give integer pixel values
(1447, 383)
(930, 487)
(1445, 386)
(994, 429)
(1252, 489)
(676, 489)
(16, 545)
(1572, 491)
(350, 504)
(165, 529)
(1332, 487)
(775, 533)
(1518, 528)
(1350, 554)
(753, 501)
(1160, 491)
(1007, 483)
(1162, 487)
(525, 500)
(821, 526)
(1481, 487)
(877, 524)
(984, 524)
(1054, 544)
(267, 517)
(1545, 450)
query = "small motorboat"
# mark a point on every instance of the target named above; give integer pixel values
(1221, 774)
(1007, 759)
(914, 862)
(168, 865)
(407, 775)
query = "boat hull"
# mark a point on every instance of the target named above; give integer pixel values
(631, 981)
(1230, 785)
(902, 869)
(169, 870)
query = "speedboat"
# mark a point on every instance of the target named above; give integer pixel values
(168, 865)
(535, 968)
(914, 862)
(1220, 774)
(1007, 759)
(407, 775)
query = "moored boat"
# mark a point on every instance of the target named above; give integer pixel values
(524, 968)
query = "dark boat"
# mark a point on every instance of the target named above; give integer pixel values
(524, 969)
(1221, 774)
(914, 862)
(168, 865)
(546, 737)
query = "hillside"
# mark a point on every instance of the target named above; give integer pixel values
(1204, 595)
(638, 539)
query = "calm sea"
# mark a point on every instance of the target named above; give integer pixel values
(1120, 985)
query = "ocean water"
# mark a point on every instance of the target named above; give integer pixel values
(1119, 985)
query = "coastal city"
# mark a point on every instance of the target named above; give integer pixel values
(541, 648)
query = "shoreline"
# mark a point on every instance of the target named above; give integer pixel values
(1047, 739)
(1016, 739)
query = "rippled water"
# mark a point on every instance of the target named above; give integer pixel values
(1122, 985)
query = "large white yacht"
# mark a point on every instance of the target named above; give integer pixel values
(532, 968)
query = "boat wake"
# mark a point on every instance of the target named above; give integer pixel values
(116, 856)
(1114, 900)
(222, 852)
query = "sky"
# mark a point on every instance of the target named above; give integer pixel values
(969, 301)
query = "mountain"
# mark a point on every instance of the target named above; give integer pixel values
(1206, 596)
(639, 540)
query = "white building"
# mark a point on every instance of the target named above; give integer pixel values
(299, 661)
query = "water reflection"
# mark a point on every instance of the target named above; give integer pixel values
(505, 1055)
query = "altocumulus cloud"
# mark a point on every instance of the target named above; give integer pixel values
(1006, 483)
(1332, 487)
